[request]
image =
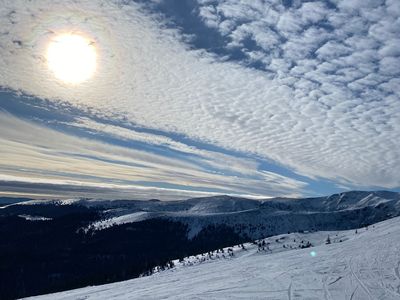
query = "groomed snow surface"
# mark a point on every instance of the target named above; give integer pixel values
(364, 265)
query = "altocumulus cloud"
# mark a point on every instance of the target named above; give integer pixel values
(323, 101)
(340, 61)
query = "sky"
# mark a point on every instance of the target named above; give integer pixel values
(253, 98)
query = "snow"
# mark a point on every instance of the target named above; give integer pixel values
(46, 202)
(254, 217)
(250, 218)
(34, 218)
(129, 218)
(363, 266)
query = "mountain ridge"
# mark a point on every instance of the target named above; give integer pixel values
(249, 217)
(354, 209)
(102, 241)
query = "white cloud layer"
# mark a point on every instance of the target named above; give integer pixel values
(31, 153)
(327, 103)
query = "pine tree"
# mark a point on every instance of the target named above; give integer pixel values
(328, 240)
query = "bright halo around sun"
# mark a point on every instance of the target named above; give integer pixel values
(72, 58)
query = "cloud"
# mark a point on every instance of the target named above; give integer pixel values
(324, 103)
(52, 189)
(340, 63)
(35, 154)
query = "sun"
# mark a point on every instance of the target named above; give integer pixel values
(72, 58)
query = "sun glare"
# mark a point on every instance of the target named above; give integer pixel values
(72, 58)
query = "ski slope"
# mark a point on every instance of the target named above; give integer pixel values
(363, 266)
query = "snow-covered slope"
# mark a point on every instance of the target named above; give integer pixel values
(365, 265)
(248, 218)
(257, 219)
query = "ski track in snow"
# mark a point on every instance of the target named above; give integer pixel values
(290, 291)
(360, 282)
(352, 294)
(363, 266)
(397, 272)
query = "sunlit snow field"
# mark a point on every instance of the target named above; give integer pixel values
(365, 265)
